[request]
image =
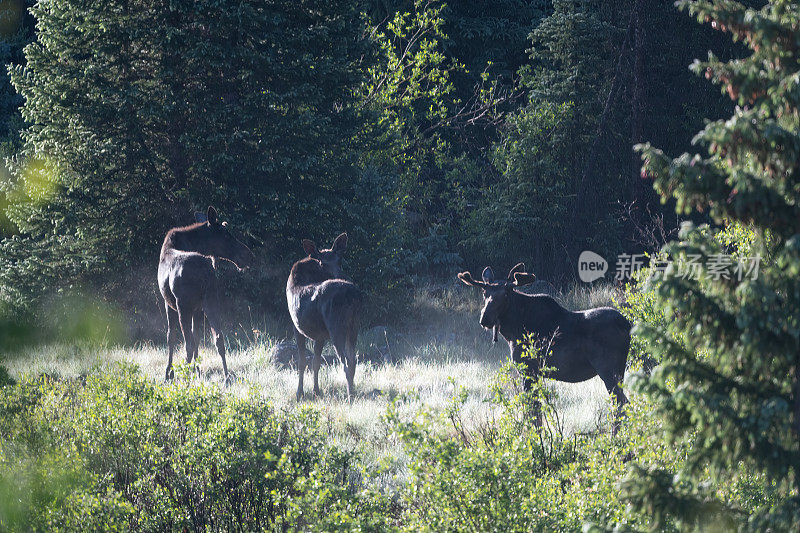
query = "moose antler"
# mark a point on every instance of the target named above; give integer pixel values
(519, 267)
(523, 278)
(466, 277)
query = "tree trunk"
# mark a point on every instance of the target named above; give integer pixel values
(636, 101)
(582, 212)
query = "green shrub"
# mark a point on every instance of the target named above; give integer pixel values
(505, 474)
(640, 308)
(641, 293)
(169, 458)
(5, 378)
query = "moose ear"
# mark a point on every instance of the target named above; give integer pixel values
(309, 247)
(200, 217)
(519, 267)
(523, 278)
(488, 275)
(340, 244)
(212, 215)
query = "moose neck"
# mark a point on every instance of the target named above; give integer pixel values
(510, 321)
(536, 314)
(186, 239)
(307, 272)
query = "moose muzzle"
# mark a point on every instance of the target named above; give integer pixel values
(490, 324)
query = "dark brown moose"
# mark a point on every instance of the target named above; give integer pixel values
(188, 283)
(581, 344)
(323, 306)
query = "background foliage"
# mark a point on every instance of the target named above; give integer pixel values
(440, 135)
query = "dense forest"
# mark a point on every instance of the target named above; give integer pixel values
(441, 137)
(437, 135)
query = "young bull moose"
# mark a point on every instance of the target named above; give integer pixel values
(323, 306)
(188, 283)
(583, 344)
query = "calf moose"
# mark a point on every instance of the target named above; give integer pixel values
(188, 284)
(583, 344)
(323, 306)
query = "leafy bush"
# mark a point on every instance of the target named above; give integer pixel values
(505, 474)
(642, 305)
(117, 449)
(5, 378)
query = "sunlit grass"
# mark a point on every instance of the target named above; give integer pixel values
(446, 352)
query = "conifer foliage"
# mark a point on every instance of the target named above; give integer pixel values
(731, 380)
(139, 113)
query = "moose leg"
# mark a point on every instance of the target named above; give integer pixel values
(197, 335)
(350, 351)
(318, 345)
(185, 319)
(612, 385)
(529, 374)
(172, 331)
(300, 340)
(216, 332)
(346, 353)
(197, 330)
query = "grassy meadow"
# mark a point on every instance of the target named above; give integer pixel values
(438, 438)
(431, 361)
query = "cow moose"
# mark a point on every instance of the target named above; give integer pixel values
(582, 344)
(188, 283)
(324, 307)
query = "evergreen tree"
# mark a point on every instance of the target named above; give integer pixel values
(525, 213)
(140, 112)
(573, 52)
(731, 383)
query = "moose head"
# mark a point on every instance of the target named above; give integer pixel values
(330, 259)
(497, 293)
(211, 237)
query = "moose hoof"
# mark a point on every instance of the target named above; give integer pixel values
(229, 379)
(170, 375)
